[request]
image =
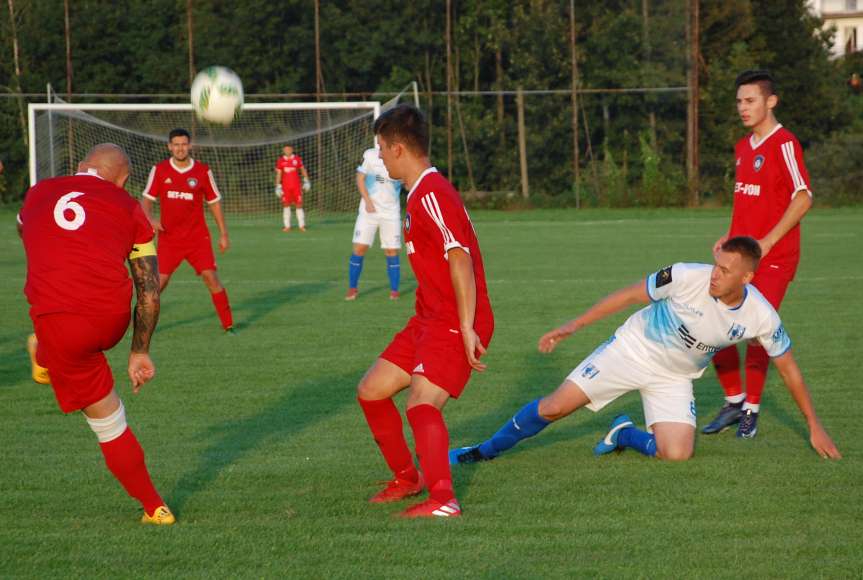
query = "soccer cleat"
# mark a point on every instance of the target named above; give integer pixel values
(748, 424)
(230, 331)
(728, 415)
(352, 294)
(609, 443)
(470, 454)
(398, 489)
(39, 373)
(162, 516)
(394, 295)
(431, 508)
(302, 228)
(286, 229)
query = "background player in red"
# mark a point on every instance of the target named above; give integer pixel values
(435, 353)
(78, 231)
(288, 169)
(771, 196)
(181, 184)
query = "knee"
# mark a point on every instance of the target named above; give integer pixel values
(552, 409)
(675, 451)
(369, 391)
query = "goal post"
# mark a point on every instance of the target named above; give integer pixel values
(329, 136)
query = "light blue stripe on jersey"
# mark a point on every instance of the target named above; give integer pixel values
(662, 324)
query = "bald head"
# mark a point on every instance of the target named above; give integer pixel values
(109, 161)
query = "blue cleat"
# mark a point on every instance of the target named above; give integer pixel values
(748, 424)
(470, 454)
(728, 415)
(609, 443)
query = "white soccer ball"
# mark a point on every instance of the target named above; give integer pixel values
(217, 95)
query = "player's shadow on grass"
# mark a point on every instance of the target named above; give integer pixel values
(231, 441)
(259, 305)
(15, 365)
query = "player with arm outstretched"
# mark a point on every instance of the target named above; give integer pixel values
(694, 311)
(379, 209)
(771, 196)
(434, 354)
(78, 232)
(289, 167)
(181, 185)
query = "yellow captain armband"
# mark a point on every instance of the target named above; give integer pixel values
(142, 250)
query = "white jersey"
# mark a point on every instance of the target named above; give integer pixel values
(683, 328)
(383, 191)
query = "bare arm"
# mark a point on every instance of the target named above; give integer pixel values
(464, 286)
(793, 379)
(792, 216)
(216, 210)
(611, 304)
(278, 177)
(304, 172)
(145, 276)
(147, 206)
(364, 193)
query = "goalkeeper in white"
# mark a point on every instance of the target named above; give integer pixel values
(288, 169)
(379, 209)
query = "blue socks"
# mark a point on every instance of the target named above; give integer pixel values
(526, 423)
(393, 272)
(354, 270)
(641, 441)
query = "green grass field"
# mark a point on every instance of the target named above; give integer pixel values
(257, 443)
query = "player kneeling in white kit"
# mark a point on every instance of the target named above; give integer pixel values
(694, 311)
(379, 209)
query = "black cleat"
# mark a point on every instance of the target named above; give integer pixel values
(748, 424)
(728, 415)
(467, 455)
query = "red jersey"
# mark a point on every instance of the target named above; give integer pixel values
(290, 171)
(181, 193)
(436, 221)
(769, 174)
(78, 232)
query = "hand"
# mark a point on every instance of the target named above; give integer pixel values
(278, 190)
(307, 185)
(370, 206)
(474, 349)
(549, 341)
(141, 370)
(766, 246)
(718, 245)
(224, 243)
(157, 225)
(822, 443)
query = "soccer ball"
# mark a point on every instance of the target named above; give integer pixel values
(217, 95)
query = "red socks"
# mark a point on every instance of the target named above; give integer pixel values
(432, 443)
(125, 459)
(223, 308)
(757, 362)
(727, 363)
(386, 427)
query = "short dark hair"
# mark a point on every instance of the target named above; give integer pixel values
(760, 77)
(746, 247)
(178, 132)
(407, 125)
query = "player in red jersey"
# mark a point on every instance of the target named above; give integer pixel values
(288, 169)
(78, 231)
(181, 185)
(443, 342)
(771, 196)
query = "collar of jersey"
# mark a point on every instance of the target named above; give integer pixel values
(420, 178)
(756, 145)
(182, 169)
(92, 172)
(739, 306)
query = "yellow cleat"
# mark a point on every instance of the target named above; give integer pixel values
(39, 373)
(161, 517)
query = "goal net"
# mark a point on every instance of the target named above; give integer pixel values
(329, 136)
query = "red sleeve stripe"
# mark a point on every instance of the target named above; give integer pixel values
(791, 164)
(150, 179)
(213, 185)
(433, 209)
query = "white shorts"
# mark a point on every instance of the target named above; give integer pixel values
(610, 372)
(389, 224)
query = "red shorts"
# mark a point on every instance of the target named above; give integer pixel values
(435, 352)
(292, 195)
(71, 347)
(200, 256)
(772, 281)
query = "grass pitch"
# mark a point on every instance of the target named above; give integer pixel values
(257, 443)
